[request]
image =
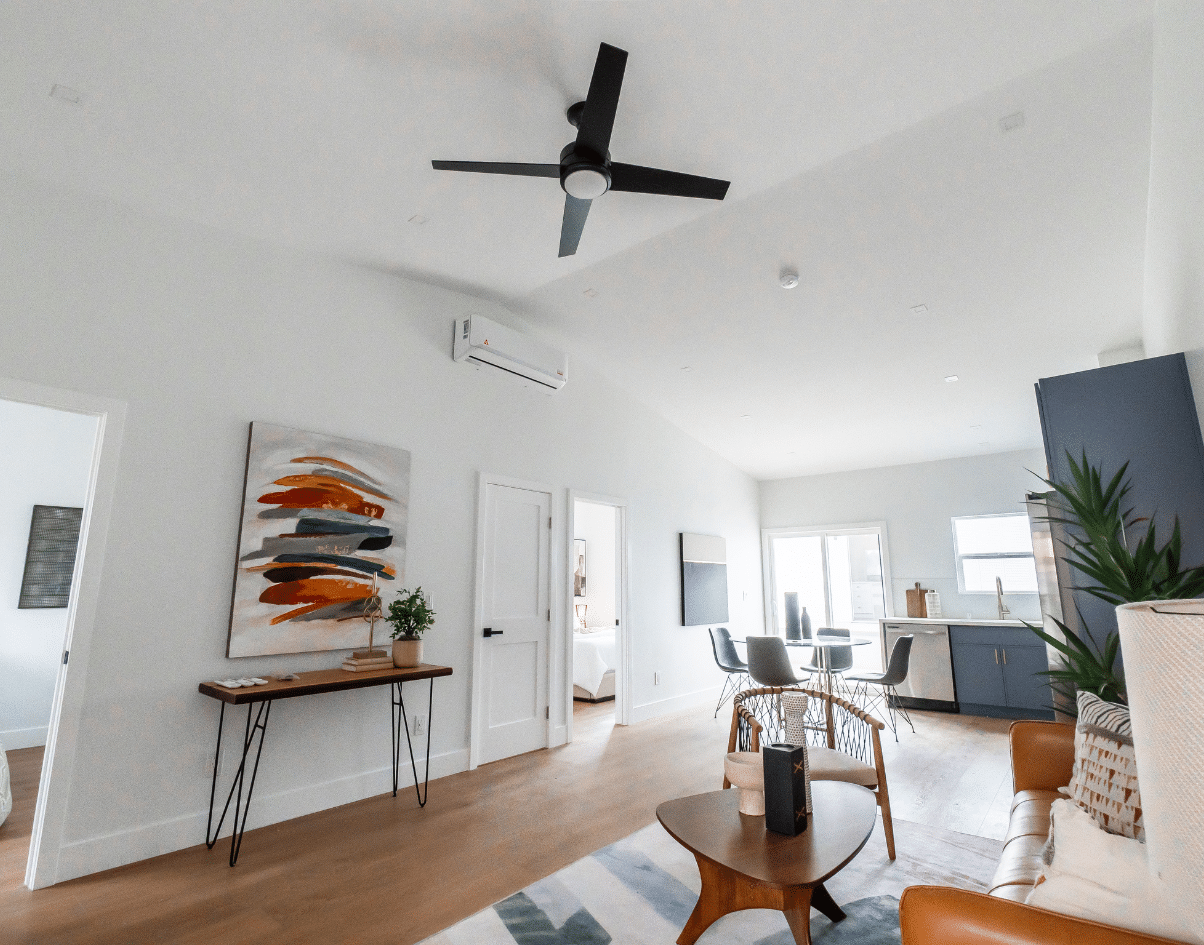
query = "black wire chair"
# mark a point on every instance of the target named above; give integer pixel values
(884, 684)
(728, 660)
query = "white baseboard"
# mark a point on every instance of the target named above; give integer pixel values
(140, 843)
(558, 735)
(689, 700)
(16, 738)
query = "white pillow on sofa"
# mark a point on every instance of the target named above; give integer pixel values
(1104, 877)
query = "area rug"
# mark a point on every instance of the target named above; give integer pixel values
(642, 889)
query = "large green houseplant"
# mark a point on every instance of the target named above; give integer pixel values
(1119, 554)
(410, 616)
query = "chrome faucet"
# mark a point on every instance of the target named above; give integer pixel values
(1003, 610)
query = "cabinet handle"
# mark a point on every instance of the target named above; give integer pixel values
(996, 656)
(1005, 656)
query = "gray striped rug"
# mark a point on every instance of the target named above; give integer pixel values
(642, 889)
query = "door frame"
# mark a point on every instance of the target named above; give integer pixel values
(67, 707)
(623, 689)
(477, 707)
(805, 531)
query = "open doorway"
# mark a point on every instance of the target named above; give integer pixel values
(46, 472)
(597, 573)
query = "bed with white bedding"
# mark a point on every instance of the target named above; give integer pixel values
(594, 664)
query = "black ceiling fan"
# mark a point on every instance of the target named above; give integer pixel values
(585, 170)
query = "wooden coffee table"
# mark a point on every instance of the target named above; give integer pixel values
(745, 866)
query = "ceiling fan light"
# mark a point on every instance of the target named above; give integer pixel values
(586, 183)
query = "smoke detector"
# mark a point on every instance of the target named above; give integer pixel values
(788, 279)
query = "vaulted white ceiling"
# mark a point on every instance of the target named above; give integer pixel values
(862, 140)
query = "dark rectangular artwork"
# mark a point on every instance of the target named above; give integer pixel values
(50, 556)
(703, 580)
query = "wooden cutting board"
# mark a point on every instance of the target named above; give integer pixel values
(915, 602)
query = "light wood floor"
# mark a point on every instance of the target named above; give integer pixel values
(383, 871)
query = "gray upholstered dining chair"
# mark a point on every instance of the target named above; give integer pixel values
(840, 658)
(769, 663)
(728, 660)
(884, 685)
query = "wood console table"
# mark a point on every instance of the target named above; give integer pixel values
(308, 684)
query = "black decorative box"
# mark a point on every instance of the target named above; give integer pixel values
(787, 788)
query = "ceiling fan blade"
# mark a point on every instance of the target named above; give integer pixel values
(575, 212)
(499, 167)
(598, 118)
(651, 180)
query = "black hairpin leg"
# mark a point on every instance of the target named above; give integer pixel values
(260, 727)
(397, 718)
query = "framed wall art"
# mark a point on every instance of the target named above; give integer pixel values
(703, 580)
(50, 556)
(322, 516)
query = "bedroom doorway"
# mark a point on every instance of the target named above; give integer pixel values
(597, 575)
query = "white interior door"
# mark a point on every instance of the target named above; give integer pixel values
(514, 654)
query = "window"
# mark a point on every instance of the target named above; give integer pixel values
(837, 575)
(994, 546)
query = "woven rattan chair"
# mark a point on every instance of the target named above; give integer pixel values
(841, 740)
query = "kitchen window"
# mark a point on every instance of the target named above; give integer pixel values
(994, 546)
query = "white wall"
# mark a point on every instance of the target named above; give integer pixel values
(200, 333)
(1173, 307)
(46, 460)
(916, 502)
(596, 525)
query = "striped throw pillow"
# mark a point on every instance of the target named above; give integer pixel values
(1104, 782)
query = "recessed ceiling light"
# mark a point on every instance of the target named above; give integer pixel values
(66, 94)
(788, 279)
(1011, 122)
(951, 379)
(590, 293)
(417, 219)
(919, 309)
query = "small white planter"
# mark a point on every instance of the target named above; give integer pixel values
(407, 653)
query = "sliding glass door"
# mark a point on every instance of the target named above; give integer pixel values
(837, 576)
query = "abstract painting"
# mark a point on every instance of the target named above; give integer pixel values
(579, 586)
(703, 580)
(323, 519)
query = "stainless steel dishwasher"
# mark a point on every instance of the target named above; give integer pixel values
(929, 682)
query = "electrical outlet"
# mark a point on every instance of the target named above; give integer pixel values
(656, 679)
(418, 724)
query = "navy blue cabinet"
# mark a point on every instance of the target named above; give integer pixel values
(995, 672)
(1142, 413)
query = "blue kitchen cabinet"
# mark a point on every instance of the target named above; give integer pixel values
(995, 672)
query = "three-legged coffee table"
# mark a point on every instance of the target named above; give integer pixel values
(745, 866)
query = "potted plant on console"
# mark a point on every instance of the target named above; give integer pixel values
(410, 615)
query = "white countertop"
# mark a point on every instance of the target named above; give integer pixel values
(958, 621)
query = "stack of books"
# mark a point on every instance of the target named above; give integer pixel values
(363, 660)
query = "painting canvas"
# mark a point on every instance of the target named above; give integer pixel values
(323, 517)
(703, 580)
(50, 556)
(579, 586)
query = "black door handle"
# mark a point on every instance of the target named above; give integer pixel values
(490, 632)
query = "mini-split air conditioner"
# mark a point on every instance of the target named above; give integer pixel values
(480, 340)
